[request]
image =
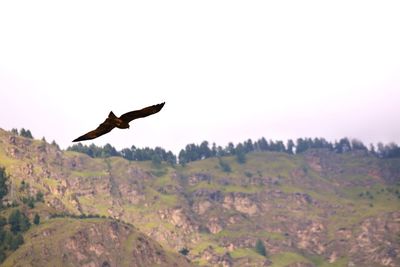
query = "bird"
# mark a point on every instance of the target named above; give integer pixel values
(122, 122)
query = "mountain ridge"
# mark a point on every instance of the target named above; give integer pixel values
(311, 209)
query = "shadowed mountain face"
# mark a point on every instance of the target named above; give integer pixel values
(314, 209)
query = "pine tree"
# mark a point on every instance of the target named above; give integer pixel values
(260, 248)
(25, 133)
(240, 154)
(290, 146)
(39, 196)
(24, 223)
(3, 183)
(16, 242)
(156, 160)
(14, 221)
(36, 219)
(224, 166)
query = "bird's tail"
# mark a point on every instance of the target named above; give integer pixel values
(112, 115)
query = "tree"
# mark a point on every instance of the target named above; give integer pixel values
(109, 151)
(30, 202)
(230, 149)
(24, 223)
(18, 221)
(25, 133)
(127, 154)
(301, 145)
(263, 144)
(16, 241)
(184, 251)
(290, 146)
(156, 160)
(3, 222)
(2, 256)
(36, 219)
(14, 221)
(53, 143)
(240, 154)
(214, 150)
(358, 145)
(182, 157)
(280, 147)
(39, 196)
(343, 146)
(170, 158)
(260, 248)
(205, 151)
(224, 166)
(3, 183)
(248, 146)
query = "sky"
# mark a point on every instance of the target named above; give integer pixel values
(227, 70)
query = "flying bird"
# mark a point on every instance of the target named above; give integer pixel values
(122, 122)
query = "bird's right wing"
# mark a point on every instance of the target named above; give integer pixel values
(144, 112)
(103, 128)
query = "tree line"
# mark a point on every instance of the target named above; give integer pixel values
(156, 155)
(22, 132)
(193, 152)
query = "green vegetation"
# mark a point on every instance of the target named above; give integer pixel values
(321, 262)
(245, 252)
(3, 184)
(247, 193)
(11, 232)
(224, 166)
(184, 251)
(23, 133)
(131, 154)
(36, 219)
(260, 248)
(193, 152)
(286, 258)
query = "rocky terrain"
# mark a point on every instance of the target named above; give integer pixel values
(90, 243)
(318, 208)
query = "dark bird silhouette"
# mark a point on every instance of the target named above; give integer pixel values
(122, 122)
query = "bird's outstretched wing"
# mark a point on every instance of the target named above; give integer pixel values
(103, 128)
(129, 116)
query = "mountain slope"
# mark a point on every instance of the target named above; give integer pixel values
(317, 209)
(90, 242)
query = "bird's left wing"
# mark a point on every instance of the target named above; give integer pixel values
(103, 128)
(127, 117)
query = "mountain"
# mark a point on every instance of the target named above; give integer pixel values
(89, 242)
(317, 208)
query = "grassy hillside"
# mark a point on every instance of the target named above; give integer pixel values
(318, 208)
(89, 242)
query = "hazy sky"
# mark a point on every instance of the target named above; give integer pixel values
(228, 70)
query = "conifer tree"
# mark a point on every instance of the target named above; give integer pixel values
(260, 248)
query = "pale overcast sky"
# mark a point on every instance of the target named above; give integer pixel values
(228, 70)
